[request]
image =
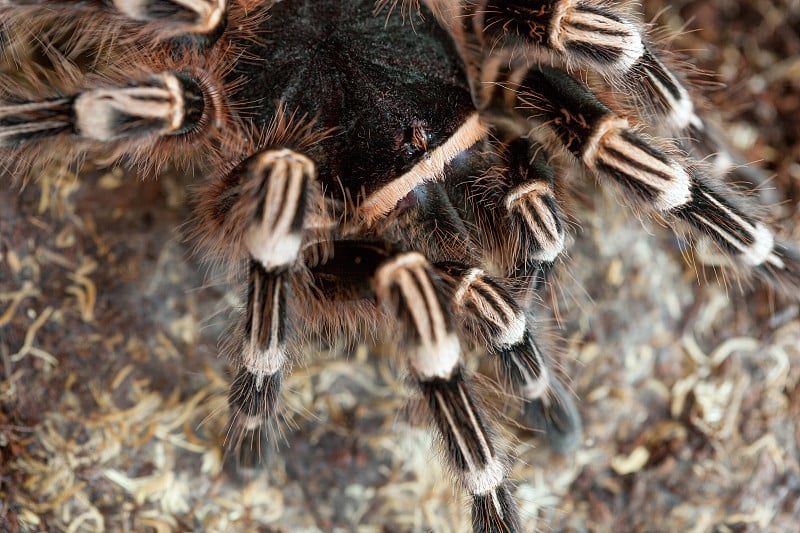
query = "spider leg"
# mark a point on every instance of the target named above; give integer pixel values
(494, 319)
(185, 16)
(606, 145)
(168, 103)
(518, 196)
(258, 211)
(603, 38)
(170, 116)
(595, 35)
(410, 289)
(255, 389)
(173, 17)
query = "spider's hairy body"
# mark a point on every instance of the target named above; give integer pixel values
(365, 168)
(360, 77)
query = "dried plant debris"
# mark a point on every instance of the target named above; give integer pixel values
(114, 401)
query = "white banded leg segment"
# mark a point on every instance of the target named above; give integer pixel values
(255, 390)
(495, 319)
(646, 171)
(533, 209)
(531, 206)
(580, 30)
(190, 16)
(719, 218)
(662, 93)
(282, 179)
(168, 103)
(498, 322)
(469, 446)
(602, 140)
(405, 285)
(591, 30)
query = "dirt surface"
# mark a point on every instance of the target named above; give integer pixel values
(113, 399)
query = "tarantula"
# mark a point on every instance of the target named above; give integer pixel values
(366, 165)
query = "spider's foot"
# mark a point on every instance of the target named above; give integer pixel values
(556, 415)
(251, 455)
(494, 512)
(781, 269)
(252, 398)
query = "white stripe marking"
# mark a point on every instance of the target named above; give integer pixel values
(674, 192)
(263, 362)
(430, 168)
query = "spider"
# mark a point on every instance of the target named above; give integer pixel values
(369, 164)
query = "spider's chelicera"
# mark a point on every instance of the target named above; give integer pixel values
(370, 164)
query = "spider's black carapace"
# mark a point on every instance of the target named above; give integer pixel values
(374, 81)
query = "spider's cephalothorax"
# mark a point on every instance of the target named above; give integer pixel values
(367, 167)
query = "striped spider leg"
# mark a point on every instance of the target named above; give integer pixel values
(408, 286)
(400, 202)
(608, 146)
(257, 212)
(493, 318)
(433, 217)
(519, 225)
(602, 37)
(163, 105)
(432, 304)
(198, 21)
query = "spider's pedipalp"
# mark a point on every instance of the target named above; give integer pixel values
(407, 286)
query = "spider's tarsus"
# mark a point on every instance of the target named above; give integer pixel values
(556, 415)
(249, 454)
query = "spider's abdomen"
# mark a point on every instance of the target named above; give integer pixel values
(374, 80)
